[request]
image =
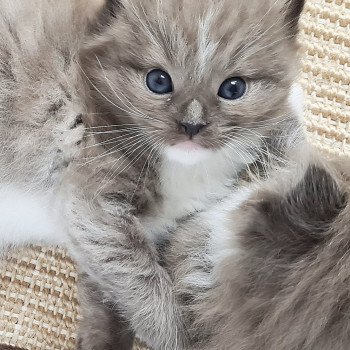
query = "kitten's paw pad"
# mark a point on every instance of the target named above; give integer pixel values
(70, 140)
(78, 121)
(68, 136)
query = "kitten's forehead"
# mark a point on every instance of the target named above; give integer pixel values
(192, 33)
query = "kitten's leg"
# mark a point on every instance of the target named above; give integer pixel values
(101, 326)
(109, 242)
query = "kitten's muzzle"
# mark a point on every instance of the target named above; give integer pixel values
(192, 129)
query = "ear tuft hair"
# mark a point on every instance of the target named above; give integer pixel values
(294, 9)
(112, 7)
(108, 12)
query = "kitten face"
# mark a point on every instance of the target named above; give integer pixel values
(196, 77)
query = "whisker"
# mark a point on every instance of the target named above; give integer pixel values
(114, 126)
(134, 134)
(113, 140)
(264, 149)
(132, 109)
(105, 97)
(139, 144)
(122, 131)
(97, 89)
(138, 113)
(227, 154)
(114, 150)
(254, 31)
(147, 161)
(145, 27)
(112, 174)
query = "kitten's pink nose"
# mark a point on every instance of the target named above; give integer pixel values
(192, 129)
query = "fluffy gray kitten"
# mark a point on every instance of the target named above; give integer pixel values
(188, 98)
(135, 146)
(271, 271)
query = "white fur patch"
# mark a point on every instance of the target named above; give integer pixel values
(187, 157)
(194, 113)
(222, 239)
(222, 227)
(187, 188)
(28, 218)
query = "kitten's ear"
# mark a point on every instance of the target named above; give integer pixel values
(96, 43)
(293, 12)
(111, 8)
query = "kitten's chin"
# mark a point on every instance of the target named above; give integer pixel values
(187, 153)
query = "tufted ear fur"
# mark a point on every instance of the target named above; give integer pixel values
(293, 12)
(108, 12)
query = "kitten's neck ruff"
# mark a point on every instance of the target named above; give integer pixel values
(188, 154)
(188, 188)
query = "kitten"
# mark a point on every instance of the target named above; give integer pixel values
(180, 105)
(40, 115)
(187, 97)
(271, 273)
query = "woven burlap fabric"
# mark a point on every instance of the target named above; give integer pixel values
(325, 43)
(38, 300)
(38, 304)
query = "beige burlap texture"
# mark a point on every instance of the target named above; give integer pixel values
(38, 303)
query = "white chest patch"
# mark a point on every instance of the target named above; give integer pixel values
(29, 217)
(187, 188)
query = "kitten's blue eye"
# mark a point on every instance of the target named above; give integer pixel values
(159, 82)
(232, 88)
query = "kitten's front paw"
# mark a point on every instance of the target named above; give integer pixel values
(100, 340)
(87, 344)
(102, 329)
(93, 340)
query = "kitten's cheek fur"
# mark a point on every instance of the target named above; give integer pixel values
(187, 157)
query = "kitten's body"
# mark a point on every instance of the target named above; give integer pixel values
(193, 189)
